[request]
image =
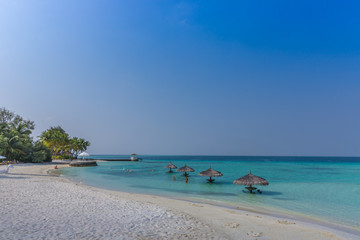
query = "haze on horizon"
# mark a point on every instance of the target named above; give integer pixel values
(187, 77)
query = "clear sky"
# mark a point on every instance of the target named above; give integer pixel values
(187, 77)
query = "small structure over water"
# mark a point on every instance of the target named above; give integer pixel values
(134, 157)
(210, 173)
(250, 180)
(171, 166)
(185, 169)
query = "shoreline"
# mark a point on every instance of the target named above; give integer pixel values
(265, 211)
(227, 223)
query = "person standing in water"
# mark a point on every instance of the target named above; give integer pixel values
(186, 179)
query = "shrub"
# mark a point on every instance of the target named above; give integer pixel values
(39, 156)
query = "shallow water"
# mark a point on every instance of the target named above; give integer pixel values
(327, 188)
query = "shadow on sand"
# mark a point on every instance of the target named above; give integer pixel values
(28, 174)
(9, 176)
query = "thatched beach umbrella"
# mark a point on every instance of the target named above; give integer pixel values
(185, 169)
(171, 166)
(250, 180)
(210, 173)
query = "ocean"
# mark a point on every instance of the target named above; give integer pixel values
(327, 188)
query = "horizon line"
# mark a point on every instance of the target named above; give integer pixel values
(217, 155)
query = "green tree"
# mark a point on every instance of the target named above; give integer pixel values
(40, 153)
(12, 145)
(61, 144)
(7, 117)
(16, 142)
(15, 132)
(56, 139)
(78, 145)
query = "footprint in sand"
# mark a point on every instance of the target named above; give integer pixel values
(255, 234)
(330, 235)
(196, 205)
(285, 222)
(229, 211)
(233, 225)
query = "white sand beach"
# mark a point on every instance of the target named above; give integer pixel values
(37, 205)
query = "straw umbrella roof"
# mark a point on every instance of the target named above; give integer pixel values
(185, 169)
(171, 166)
(210, 173)
(251, 180)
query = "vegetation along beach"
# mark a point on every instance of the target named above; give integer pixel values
(178, 119)
(142, 199)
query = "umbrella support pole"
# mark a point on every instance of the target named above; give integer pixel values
(185, 174)
(170, 170)
(251, 188)
(210, 180)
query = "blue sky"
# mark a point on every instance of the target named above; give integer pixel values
(187, 77)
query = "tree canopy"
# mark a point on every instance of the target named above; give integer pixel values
(16, 142)
(61, 144)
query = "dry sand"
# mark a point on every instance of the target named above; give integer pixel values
(36, 205)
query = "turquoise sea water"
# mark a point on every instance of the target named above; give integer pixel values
(326, 187)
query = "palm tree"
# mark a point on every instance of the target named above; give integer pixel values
(21, 128)
(16, 141)
(78, 145)
(84, 144)
(13, 145)
(74, 147)
(56, 139)
(60, 142)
